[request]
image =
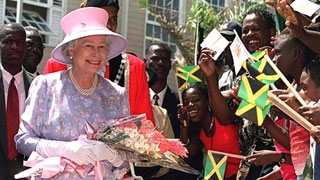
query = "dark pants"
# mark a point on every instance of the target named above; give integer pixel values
(15, 166)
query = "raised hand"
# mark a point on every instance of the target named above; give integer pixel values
(270, 50)
(311, 112)
(284, 9)
(183, 116)
(206, 63)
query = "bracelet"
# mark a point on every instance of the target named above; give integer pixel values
(185, 123)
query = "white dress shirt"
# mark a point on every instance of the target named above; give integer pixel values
(6, 78)
(161, 95)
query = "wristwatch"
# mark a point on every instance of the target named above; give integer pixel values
(283, 158)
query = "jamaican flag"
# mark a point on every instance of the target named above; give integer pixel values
(188, 74)
(253, 113)
(254, 105)
(253, 91)
(215, 166)
(257, 56)
(261, 70)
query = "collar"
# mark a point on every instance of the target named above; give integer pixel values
(161, 94)
(7, 76)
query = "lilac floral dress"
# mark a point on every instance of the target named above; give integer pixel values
(55, 110)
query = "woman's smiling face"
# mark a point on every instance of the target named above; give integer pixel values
(89, 54)
(196, 104)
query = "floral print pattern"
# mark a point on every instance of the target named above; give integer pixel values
(55, 110)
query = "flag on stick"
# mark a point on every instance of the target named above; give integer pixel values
(188, 74)
(253, 113)
(262, 71)
(239, 53)
(215, 166)
(254, 105)
(253, 91)
(258, 55)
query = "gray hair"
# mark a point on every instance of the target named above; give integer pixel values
(72, 45)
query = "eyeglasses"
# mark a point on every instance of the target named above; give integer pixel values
(34, 45)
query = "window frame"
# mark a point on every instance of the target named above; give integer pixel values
(154, 23)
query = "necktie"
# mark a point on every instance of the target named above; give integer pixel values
(12, 119)
(156, 98)
(316, 170)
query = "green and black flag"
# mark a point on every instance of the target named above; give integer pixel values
(262, 71)
(255, 104)
(188, 74)
(253, 91)
(215, 166)
(252, 112)
(257, 56)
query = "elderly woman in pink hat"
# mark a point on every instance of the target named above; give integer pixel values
(60, 104)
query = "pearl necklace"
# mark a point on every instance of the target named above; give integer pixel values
(86, 92)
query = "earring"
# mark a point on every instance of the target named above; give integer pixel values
(71, 57)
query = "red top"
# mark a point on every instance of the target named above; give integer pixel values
(225, 139)
(287, 170)
(300, 145)
(138, 85)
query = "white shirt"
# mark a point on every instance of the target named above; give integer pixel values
(161, 95)
(19, 85)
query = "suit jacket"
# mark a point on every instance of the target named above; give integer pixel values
(170, 102)
(4, 168)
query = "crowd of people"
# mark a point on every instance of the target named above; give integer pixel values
(90, 79)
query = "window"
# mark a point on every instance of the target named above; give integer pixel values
(42, 14)
(154, 31)
(29, 18)
(216, 4)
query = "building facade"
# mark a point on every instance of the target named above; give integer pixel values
(134, 23)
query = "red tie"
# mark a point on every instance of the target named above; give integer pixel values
(12, 119)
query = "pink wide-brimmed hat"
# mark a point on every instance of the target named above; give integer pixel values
(85, 22)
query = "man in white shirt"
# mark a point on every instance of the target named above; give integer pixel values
(14, 85)
(158, 58)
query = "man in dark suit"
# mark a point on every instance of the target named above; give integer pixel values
(158, 57)
(34, 50)
(14, 85)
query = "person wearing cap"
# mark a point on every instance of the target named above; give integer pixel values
(227, 77)
(125, 69)
(60, 104)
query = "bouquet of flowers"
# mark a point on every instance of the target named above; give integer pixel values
(134, 136)
(148, 147)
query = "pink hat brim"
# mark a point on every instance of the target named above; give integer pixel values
(117, 42)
